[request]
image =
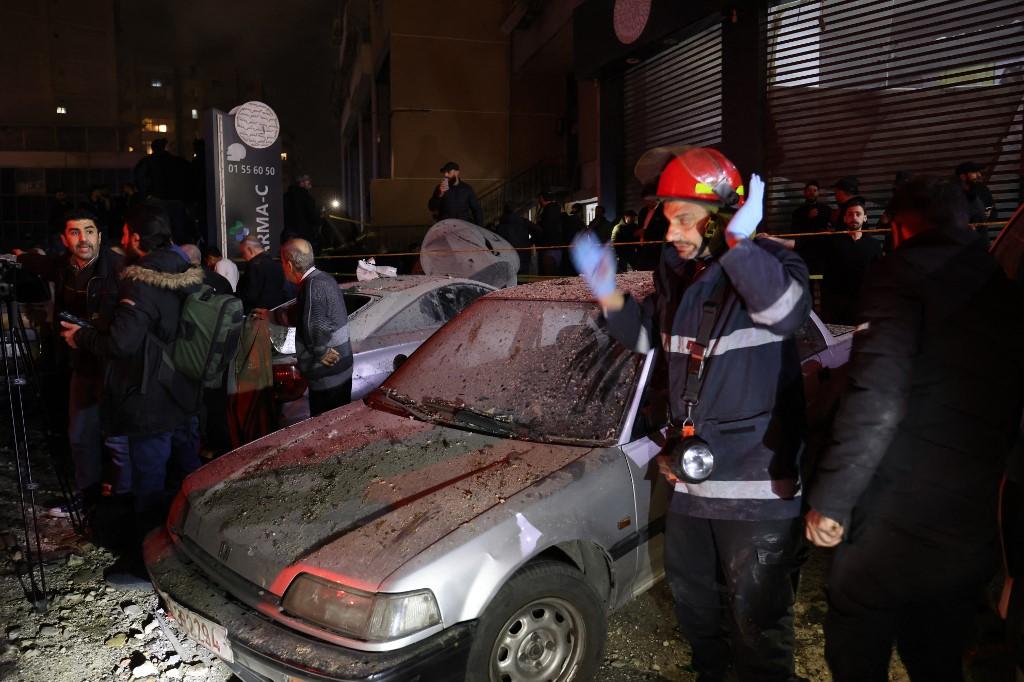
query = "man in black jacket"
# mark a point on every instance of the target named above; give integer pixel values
(262, 283)
(910, 483)
(549, 233)
(731, 540)
(154, 408)
(85, 285)
(322, 346)
(453, 198)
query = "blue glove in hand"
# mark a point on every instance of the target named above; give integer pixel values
(745, 222)
(595, 262)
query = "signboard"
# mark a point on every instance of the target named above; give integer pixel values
(243, 161)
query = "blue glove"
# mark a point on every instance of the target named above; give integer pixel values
(744, 223)
(595, 262)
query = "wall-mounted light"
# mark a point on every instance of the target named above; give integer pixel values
(335, 203)
(195, 114)
(162, 128)
(284, 156)
(62, 111)
(130, 149)
(156, 83)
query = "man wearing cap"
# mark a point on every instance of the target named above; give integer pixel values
(980, 204)
(453, 198)
(738, 527)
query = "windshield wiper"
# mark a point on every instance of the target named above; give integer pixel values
(493, 422)
(407, 404)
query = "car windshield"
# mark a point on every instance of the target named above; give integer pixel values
(537, 370)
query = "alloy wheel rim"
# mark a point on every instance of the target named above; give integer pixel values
(541, 641)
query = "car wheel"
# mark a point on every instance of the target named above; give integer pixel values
(546, 623)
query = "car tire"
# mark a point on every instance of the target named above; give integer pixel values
(545, 623)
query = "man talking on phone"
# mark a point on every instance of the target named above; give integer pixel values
(453, 198)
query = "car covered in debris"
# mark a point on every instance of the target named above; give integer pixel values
(389, 318)
(477, 516)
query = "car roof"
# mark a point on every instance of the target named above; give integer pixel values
(382, 285)
(639, 285)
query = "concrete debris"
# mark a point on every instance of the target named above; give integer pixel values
(75, 560)
(131, 610)
(117, 641)
(147, 669)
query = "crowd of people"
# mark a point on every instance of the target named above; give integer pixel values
(138, 421)
(906, 491)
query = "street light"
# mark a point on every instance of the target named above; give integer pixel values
(335, 203)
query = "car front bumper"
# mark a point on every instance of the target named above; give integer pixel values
(266, 650)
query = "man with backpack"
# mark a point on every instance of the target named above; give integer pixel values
(153, 406)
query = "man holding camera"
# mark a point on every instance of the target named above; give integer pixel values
(85, 286)
(725, 308)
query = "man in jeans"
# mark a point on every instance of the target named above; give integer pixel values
(322, 345)
(155, 409)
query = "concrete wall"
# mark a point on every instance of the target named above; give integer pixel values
(449, 102)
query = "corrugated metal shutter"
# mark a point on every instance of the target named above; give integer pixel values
(872, 87)
(673, 98)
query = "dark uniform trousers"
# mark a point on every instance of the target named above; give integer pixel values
(887, 587)
(706, 561)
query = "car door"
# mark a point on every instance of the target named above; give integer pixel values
(646, 438)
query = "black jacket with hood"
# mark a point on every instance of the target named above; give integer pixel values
(146, 318)
(934, 395)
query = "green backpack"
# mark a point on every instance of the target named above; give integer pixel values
(208, 335)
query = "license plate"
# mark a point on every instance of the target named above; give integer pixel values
(203, 630)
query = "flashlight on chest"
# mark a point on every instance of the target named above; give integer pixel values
(692, 458)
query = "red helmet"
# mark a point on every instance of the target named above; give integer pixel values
(699, 174)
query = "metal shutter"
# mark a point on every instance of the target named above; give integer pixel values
(673, 98)
(871, 87)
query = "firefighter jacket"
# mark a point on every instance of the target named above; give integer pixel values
(751, 405)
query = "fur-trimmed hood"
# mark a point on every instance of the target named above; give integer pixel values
(173, 281)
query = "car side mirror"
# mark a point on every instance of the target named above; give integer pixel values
(399, 359)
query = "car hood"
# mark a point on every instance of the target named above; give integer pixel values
(352, 494)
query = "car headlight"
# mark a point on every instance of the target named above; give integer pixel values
(358, 614)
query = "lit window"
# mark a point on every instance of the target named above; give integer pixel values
(62, 110)
(156, 83)
(195, 114)
(284, 156)
(162, 128)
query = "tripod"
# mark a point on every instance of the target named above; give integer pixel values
(19, 369)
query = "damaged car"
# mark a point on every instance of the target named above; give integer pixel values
(476, 517)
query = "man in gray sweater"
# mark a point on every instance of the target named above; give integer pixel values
(322, 346)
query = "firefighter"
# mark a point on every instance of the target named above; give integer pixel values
(743, 401)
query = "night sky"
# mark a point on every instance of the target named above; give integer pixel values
(287, 45)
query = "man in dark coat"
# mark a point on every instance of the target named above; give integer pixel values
(453, 198)
(517, 231)
(981, 207)
(731, 540)
(154, 408)
(910, 483)
(549, 233)
(301, 216)
(322, 346)
(86, 285)
(262, 283)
